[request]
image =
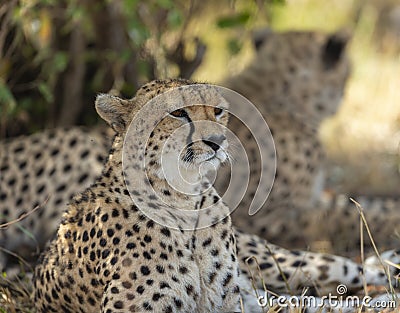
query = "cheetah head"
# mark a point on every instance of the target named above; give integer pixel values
(190, 133)
(303, 72)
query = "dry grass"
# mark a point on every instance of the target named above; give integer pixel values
(15, 293)
(257, 278)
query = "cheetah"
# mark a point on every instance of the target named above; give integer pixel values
(303, 81)
(296, 80)
(118, 259)
(45, 159)
(109, 256)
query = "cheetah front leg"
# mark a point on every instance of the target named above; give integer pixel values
(292, 271)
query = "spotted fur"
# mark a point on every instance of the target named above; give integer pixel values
(45, 159)
(290, 135)
(110, 257)
(296, 80)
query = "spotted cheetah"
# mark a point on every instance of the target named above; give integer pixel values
(108, 255)
(296, 81)
(303, 80)
(45, 160)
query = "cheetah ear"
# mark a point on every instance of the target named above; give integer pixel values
(115, 111)
(334, 48)
(260, 36)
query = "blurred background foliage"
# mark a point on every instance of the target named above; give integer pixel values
(56, 55)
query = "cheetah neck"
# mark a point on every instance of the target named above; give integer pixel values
(185, 186)
(186, 189)
(185, 180)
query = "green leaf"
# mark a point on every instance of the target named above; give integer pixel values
(45, 91)
(234, 46)
(233, 20)
(130, 4)
(125, 56)
(60, 61)
(138, 32)
(7, 99)
(175, 18)
(166, 4)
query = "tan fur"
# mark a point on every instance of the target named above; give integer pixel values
(109, 256)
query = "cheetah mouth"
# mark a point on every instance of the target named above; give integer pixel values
(221, 156)
(216, 158)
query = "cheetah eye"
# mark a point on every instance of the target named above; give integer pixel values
(218, 111)
(179, 113)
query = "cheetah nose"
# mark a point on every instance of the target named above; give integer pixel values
(214, 142)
